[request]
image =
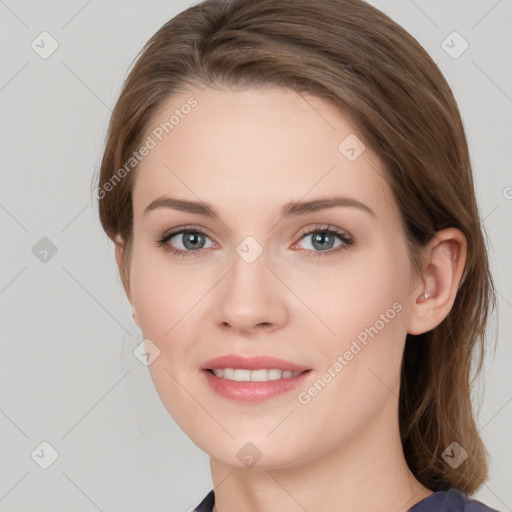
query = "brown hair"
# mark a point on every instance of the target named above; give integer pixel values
(358, 59)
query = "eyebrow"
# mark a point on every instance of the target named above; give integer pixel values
(293, 208)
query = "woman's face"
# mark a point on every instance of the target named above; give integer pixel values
(259, 275)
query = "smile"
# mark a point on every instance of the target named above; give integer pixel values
(253, 378)
(261, 375)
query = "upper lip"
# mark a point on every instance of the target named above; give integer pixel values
(251, 363)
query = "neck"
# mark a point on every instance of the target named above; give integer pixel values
(367, 473)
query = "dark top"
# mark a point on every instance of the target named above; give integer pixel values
(441, 501)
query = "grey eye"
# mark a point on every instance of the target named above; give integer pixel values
(189, 240)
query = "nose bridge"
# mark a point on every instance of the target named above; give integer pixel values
(248, 298)
(249, 271)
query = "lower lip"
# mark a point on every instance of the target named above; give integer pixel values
(253, 391)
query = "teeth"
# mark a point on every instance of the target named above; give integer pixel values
(258, 375)
(275, 374)
(240, 375)
(229, 373)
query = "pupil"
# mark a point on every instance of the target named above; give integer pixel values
(322, 238)
(192, 240)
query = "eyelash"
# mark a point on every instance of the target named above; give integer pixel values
(347, 241)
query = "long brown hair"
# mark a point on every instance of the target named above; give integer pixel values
(358, 59)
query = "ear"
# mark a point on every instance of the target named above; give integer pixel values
(444, 262)
(119, 249)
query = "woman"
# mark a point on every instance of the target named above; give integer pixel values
(290, 194)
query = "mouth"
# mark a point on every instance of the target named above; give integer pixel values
(261, 375)
(253, 379)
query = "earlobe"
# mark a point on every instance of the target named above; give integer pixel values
(445, 259)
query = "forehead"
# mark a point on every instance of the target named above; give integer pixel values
(255, 148)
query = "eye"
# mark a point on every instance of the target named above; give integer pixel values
(325, 240)
(321, 241)
(185, 240)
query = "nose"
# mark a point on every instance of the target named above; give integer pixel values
(251, 299)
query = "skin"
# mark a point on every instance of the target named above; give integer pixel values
(247, 152)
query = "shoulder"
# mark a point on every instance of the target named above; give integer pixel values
(450, 501)
(207, 504)
(441, 501)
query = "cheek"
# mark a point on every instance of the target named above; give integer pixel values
(360, 367)
(365, 306)
(162, 292)
(165, 295)
(358, 293)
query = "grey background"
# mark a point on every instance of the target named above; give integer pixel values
(68, 376)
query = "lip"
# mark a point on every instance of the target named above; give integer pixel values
(252, 392)
(252, 363)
